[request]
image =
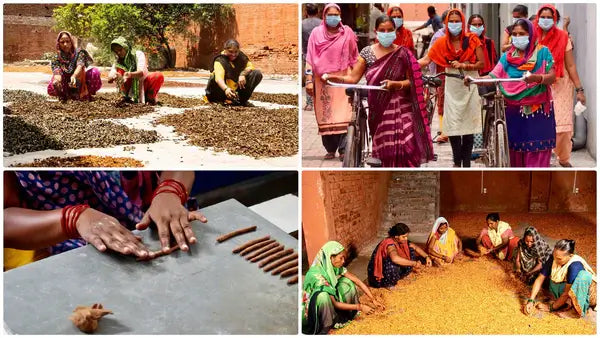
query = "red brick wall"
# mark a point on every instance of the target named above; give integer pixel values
(412, 199)
(28, 32)
(29, 9)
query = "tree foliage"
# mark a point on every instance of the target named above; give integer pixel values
(143, 24)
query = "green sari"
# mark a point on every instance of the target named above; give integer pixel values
(583, 289)
(322, 281)
(128, 64)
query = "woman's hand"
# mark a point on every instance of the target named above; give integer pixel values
(534, 78)
(366, 309)
(542, 307)
(528, 308)
(242, 81)
(467, 80)
(105, 232)
(447, 259)
(428, 262)
(378, 304)
(230, 93)
(126, 76)
(581, 97)
(72, 82)
(171, 217)
(57, 81)
(325, 77)
(310, 89)
(457, 65)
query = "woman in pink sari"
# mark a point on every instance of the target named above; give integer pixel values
(332, 49)
(397, 118)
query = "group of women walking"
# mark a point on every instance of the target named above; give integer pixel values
(538, 109)
(330, 292)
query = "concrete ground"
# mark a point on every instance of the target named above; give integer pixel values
(172, 148)
(313, 150)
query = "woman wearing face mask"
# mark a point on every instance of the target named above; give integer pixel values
(519, 12)
(443, 243)
(70, 79)
(567, 81)
(234, 78)
(329, 297)
(332, 49)
(394, 258)
(477, 27)
(533, 251)
(459, 50)
(572, 283)
(529, 109)
(404, 36)
(397, 118)
(130, 71)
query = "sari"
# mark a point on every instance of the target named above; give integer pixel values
(139, 89)
(322, 281)
(331, 53)
(539, 252)
(398, 120)
(63, 64)
(583, 289)
(123, 195)
(446, 244)
(404, 36)
(529, 108)
(382, 272)
(491, 238)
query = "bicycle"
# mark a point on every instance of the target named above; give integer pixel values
(358, 139)
(493, 117)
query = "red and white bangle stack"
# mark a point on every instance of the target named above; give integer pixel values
(174, 187)
(70, 215)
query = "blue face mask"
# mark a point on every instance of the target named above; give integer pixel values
(476, 30)
(455, 28)
(333, 20)
(520, 42)
(398, 22)
(546, 23)
(386, 39)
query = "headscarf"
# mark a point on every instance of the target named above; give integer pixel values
(436, 226)
(556, 40)
(403, 36)
(323, 267)
(539, 251)
(512, 54)
(447, 244)
(327, 52)
(66, 63)
(559, 273)
(442, 52)
(128, 64)
(489, 51)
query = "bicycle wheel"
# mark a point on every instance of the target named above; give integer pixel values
(430, 105)
(502, 158)
(351, 148)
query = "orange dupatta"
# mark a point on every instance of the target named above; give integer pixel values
(442, 52)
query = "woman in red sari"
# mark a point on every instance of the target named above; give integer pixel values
(404, 36)
(397, 117)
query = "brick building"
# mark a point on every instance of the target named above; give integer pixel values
(357, 208)
(28, 31)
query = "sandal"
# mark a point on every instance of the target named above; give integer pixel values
(342, 157)
(329, 156)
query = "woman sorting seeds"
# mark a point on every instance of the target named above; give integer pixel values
(532, 252)
(572, 283)
(443, 243)
(330, 298)
(49, 212)
(496, 238)
(394, 258)
(130, 72)
(233, 78)
(70, 79)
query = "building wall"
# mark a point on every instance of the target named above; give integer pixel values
(28, 32)
(412, 199)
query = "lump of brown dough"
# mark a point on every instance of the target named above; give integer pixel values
(86, 317)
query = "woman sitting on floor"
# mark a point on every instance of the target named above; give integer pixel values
(443, 243)
(572, 283)
(497, 238)
(394, 258)
(330, 298)
(533, 251)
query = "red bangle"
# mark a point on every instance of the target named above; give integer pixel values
(68, 221)
(172, 186)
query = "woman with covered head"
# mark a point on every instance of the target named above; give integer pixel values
(130, 71)
(333, 50)
(394, 258)
(397, 117)
(404, 36)
(330, 298)
(443, 243)
(459, 51)
(234, 78)
(497, 238)
(70, 79)
(567, 79)
(572, 283)
(532, 252)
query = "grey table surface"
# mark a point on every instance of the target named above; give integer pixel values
(208, 290)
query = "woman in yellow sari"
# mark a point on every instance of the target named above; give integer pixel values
(443, 243)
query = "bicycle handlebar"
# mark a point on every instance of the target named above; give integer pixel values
(458, 76)
(355, 86)
(525, 76)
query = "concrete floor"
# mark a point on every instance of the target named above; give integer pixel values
(313, 150)
(172, 148)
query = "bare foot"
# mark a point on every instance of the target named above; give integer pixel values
(568, 314)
